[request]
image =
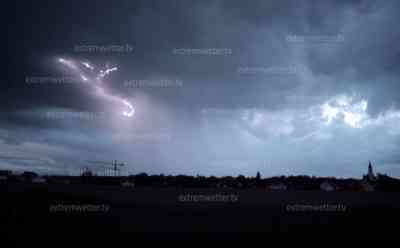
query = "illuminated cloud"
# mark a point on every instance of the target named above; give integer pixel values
(353, 113)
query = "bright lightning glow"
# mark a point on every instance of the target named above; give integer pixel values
(131, 111)
(102, 73)
(84, 78)
(87, 65)
(68, 63)
(97, 84)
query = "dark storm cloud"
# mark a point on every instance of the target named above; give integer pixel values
(234, 110)
(256, 34)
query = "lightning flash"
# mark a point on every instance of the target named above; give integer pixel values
(97, 82)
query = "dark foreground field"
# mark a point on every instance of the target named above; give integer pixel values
(29, 214)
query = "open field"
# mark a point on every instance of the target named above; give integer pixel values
(87, 210)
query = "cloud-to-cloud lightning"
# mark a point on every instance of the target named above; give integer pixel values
(97, 83)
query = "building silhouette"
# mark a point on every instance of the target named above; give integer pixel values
(371, 175)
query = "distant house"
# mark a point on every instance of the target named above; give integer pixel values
(38, 180)
(28, 176)
(128, 184)
(328, 186)
(57, 180)
(366, 186)
(277, 187)
(5, 173)
(222, 185)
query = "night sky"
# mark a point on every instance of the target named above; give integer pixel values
(218, 87)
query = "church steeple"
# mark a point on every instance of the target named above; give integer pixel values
(371, 175)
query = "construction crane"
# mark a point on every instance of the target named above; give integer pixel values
(114, 166)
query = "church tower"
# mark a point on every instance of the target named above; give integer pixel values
(371, 175)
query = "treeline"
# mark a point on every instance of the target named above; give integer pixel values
(302, 182)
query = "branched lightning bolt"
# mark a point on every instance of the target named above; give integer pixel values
(97, 83)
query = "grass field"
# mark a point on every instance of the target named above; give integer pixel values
(43, 210)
